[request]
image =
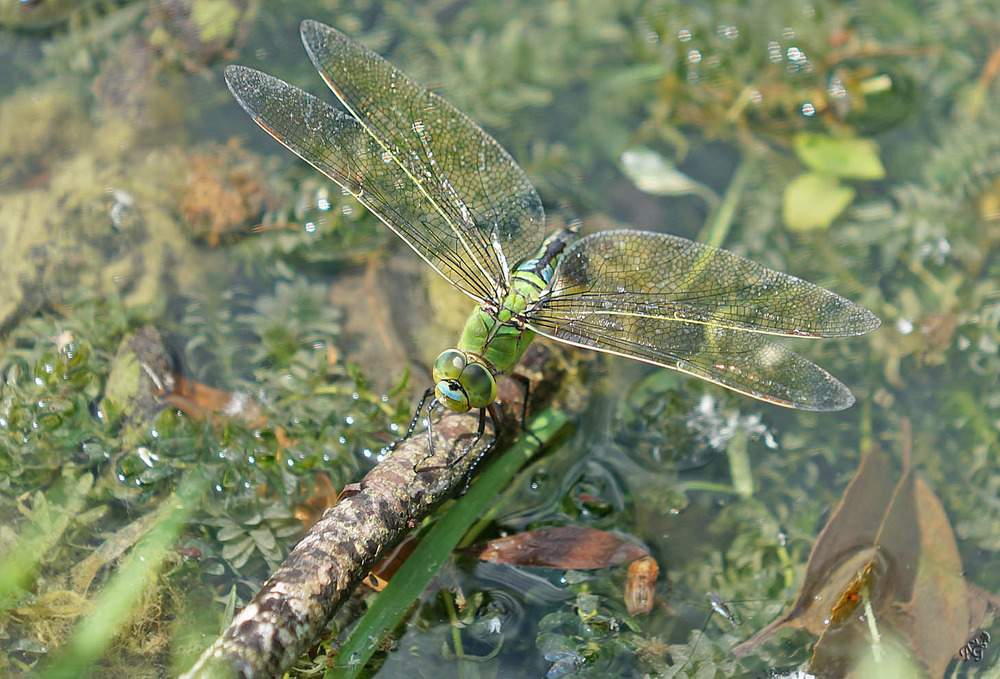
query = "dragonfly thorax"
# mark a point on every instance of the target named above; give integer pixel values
(462, 381)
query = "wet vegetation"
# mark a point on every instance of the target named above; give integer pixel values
(154, 242)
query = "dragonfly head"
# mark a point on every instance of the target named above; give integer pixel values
(463, 381)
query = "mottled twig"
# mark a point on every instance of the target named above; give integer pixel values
(294, 606)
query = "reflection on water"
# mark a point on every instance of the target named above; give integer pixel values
(137, 201)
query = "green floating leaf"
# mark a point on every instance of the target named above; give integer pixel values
(812, 201)
(844, 157)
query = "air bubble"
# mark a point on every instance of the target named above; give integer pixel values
(728, 32)
(774, 52)
(836, 88)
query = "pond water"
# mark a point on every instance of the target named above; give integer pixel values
(155, 240)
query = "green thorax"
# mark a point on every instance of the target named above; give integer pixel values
(498, 335)
(490, 336)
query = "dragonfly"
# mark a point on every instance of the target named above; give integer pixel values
(454, 195)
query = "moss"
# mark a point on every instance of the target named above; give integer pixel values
(216, 20)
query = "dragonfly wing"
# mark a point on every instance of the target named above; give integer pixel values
(484, 207)
(338, 146)
(744, 362)
(703, 311)
(641, 273)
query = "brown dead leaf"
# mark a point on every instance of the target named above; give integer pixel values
(843, 548)
(897, 554)
(938, 619)
(379, 576)
(575, 547)
(201, 401)
(323, 496)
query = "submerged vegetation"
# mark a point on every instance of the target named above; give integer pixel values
(150, 237)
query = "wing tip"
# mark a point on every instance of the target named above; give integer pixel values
(240, 79)
(310, 27)
(840, 399)
(233, 72)
(314, 33)
(868, 322)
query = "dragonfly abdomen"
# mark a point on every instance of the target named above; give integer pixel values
(537, 271)
(496, 333)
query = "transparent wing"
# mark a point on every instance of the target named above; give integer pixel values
(339, 147)
(701, 310)
(483, 210)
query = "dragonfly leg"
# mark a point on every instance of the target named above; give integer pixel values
(413, 422)
(476, 439)
(430, 434)
(430, 428)
(523, 379)
(495, 416)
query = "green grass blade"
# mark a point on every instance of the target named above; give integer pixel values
(391, 604)
(118, 600)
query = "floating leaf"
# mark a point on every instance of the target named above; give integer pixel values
(574, 547)
(844, 157)
(939, 613)
(813, 200)
(652, 173)
(884, 563)
(843, 548)
(379, 576)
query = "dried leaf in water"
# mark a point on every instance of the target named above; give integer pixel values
(843, 548)
(938, 617)
(199, 401)
(379, 576)
(322, 497)
(886, 566)
(575, 547)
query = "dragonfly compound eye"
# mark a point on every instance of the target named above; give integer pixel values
(449, 365)
(479, 384)
(452, 395)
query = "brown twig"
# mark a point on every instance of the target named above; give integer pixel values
(294, 606)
